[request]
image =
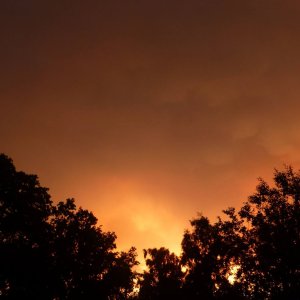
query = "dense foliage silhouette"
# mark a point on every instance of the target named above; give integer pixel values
(163, 279)
(270, 264)
(253, 253)
(52, 251)
(57, 252)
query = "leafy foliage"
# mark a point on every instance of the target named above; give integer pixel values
(272, 262)
(58, 251)
(257, 246)
(52, 251)
(164, 276)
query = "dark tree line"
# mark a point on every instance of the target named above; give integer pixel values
(57, 251)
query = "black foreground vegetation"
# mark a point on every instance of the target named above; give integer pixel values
(57, 251)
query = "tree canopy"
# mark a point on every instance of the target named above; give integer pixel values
(50, 251)
(58, 251)
(252, 253)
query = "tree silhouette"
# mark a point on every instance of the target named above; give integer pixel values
(52, 251)
(163, 278)
(208, 255)
(25, 208)
(260, 244)
(271, 264)
(200, 258)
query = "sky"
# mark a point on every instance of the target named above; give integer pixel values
(149, 112)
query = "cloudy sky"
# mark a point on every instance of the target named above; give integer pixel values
(148, 112)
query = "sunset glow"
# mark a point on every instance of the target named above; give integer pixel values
(147, 112)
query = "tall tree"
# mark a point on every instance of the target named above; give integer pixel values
(271, 265)
(209, 255)
(200, 258)
(252, 253)
(52, 251)
(25, 232)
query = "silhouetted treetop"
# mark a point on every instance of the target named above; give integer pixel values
(58, 251)
(272, 261)
(163, 279)
(253, 253)
(50, 251)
